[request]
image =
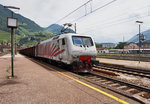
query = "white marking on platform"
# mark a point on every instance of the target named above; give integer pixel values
(127, 63)
(9, 56)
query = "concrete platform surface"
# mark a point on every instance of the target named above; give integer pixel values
(135, 64)
(36, 85)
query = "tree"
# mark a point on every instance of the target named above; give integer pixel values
(98, 45)
(1, 46)
(121, 45)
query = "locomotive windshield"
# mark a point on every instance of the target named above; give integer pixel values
(82, 40)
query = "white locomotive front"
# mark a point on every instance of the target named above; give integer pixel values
(75, 50)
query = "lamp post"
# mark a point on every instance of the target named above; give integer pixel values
(139, 22)
(12, 23)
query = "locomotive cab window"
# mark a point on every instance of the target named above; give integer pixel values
(82, 40)
(63, 41)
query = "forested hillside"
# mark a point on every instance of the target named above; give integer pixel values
(28, 32)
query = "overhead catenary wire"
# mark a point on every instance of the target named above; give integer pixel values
(73, 11)
(113, 22)
(115, 19)
(86, 13)
(91, 6)
(124, 14)
(109, 21)
(85, 9)
(104, 24)
(104, 5)
(121, 21)
(131, 19)
(94, 10)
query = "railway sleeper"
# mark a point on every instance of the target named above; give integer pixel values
(132, 90)
(108, 82)
(103, 80)
(115, 85)
(125, 71)
(141, 98)
(121, 87)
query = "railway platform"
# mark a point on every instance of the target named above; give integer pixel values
(37, 84)
(134, 64)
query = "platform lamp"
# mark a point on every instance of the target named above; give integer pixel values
(12, 23)
(139, 22)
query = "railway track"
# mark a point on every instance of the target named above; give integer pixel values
(137, 92)
(122, 69)
(133, 91)
(126, 57)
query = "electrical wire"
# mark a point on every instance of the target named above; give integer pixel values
(86, 14)
(72, 11)
(119, 21)
(104, 5)
(114, 24)
(113, 19)
(94, 10)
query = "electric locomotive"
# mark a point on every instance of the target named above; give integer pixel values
(72, 49)
(69, 49)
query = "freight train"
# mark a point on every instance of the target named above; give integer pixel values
(69, 49)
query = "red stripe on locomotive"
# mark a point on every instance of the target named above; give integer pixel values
(59, 52)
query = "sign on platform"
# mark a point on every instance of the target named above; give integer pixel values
(12, 22)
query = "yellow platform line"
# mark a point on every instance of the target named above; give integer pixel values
(83, 83)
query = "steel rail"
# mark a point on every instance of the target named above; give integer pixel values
(141, 88)
(122, 69)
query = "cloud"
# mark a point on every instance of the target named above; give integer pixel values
(108, 24)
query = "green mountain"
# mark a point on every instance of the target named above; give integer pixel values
(135, 38)
(28, 32)
(4, 36)
(56, 29)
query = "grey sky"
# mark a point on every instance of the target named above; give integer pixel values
(108, 24)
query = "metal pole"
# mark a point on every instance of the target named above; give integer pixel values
(123, 46)
(12, 49)
(75, 28)
(139, 42)
(12, 40)
(15, 44)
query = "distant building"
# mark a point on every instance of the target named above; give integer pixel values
(131, 45)
(108, 45)
(5, 47)
(102, 50)
(145, 45)
(114, 50)
(111, 51)
(130, 48)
